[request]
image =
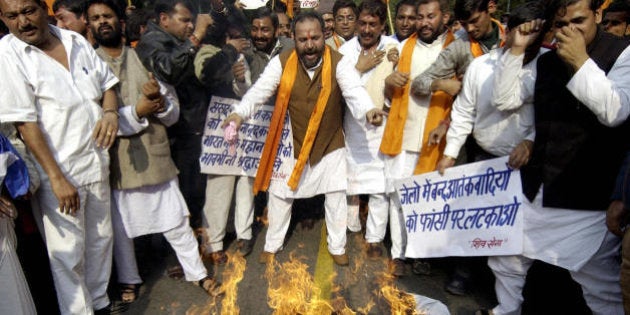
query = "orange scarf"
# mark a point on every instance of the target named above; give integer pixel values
(268, 158)
(337, 40)
(475, 47)
(438, 110)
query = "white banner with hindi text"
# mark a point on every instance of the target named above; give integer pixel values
(473, 210)
(216, 157)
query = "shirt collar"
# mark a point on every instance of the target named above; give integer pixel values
(64, 37)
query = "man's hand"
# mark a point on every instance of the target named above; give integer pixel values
(436, 135)
(146, 107)
(524, 35)
(232, 117)
(201, 26)
(616, 217)
(571, 47)
(449, 86)
(445, 163)
(105, 130)
(521, 154)
(397, 79)
(238, 70)
(375, 116)
(67, 195)
(151, 88)
(367, 61)
(7, 209)
(239, 44)
(393, 55)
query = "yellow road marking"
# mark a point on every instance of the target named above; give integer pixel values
(323, 267)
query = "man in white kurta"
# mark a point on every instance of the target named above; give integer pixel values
(431, 37)
(558, 230)
(328, 175)
(61, 98)
(365, 163)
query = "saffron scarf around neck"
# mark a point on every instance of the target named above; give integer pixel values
(270, 150)
(475, 46)
(393, 134)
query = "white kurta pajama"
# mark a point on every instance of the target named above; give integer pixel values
(153, 209)
(366, 173)
(65, 105)
(576, 240)
(326, 177)
(402, 165)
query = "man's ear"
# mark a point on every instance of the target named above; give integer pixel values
(163, 19)
(598, 15)
(445, 18)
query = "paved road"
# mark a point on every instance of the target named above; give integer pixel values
(351, 288)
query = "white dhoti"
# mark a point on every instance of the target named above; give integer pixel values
(16, 297)
(576, 240)
(326, 177)
(155, 209)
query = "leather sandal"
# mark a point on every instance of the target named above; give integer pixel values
(128, 292)
(211, 286)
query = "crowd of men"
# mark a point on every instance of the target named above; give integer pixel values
(108, 107)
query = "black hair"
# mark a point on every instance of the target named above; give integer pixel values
(264, 12)
(619, 6)
(375, 8)
(340, 4)
(413, 3)
(307, 16)
(444, 5)
(464, 9)
(75, 6)
(135, 21)
(276, 6)
(112, 4)
(168, 6)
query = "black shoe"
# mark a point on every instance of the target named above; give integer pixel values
(421, 267)
(244, 247)
(457, 285)
(112, 309)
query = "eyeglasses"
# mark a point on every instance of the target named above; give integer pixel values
(348, 18)
(611, 22)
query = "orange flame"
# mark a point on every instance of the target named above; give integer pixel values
(292, 290)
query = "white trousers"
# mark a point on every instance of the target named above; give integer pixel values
(398, 233)
(79, 247)
(219, 192)
(182, 240)
(279, 217)
(599, 279)
(16, 297)
(354, 222)
(378, 216)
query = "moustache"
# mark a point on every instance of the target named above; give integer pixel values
(27, 28)
(105, 28)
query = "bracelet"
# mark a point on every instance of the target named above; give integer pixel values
(113, 111)
(445, 122)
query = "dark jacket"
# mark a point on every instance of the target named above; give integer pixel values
(575, 157)
(171, 61)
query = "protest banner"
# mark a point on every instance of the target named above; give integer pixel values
(473, 210)
(216, 156)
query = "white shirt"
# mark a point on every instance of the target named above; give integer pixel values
(327, 175)
(423, 56)
(65, 104)
(357, 99)
(365, 163)
(500, 78)
(607, 96)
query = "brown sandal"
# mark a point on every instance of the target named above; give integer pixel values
(128, 292)
(211, 286)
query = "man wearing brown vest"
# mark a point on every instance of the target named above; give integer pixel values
(311, 82)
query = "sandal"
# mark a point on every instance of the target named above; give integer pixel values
(211, 286)
(128, 292)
